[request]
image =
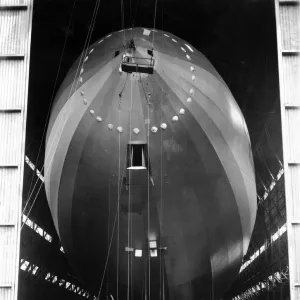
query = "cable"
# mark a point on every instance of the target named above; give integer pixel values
(108, 253)
(129, 192)
(120, 95)
(51, 103)
(91, 27)
(130, 15)
(128, 218)
(117, 216)
(118, 204)
(154, 21)
(108, 228)
(60, 121)
(259, 151)
(31, 206)
(271, 145)
(123, 22)
(130, 18)
(162, 274)
(148, 192)
(49, 109)
(161, 194)
(148, 184)
(136, 10)
(148, 187)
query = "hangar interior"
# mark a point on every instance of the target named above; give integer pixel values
(239, 38)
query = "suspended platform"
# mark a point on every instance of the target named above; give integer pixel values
(137, 64)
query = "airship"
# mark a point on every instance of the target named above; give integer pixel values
(149, 172)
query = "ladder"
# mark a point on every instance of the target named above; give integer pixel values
(15, 35)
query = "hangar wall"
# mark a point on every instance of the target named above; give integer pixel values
(15, 38)
(288, 45)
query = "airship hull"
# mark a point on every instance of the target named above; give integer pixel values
(192, 190)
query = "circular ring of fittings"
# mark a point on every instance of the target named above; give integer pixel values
(86, 59)
(192, 69)
(120, 129)
(193, 77)
(82, 93)
(110, 126)
(192, 92)
(92, 112)
(189, 100)
(80, 79)
(182, 111)
(136, 130)
(188, 57)
(85, 101)
(99, 119)
(154, 129)
(91, 50)
(175, 119)
(163, 126)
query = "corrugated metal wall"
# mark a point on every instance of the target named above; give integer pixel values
(288, 40)
(15, 35)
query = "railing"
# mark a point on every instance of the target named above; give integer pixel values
(144, 61)
(137, 64)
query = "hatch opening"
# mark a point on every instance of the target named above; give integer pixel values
(136, 159)
(117, 53)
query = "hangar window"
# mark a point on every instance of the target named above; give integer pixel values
(136, 157)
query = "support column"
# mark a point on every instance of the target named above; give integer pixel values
(15, 35)
(288, 43)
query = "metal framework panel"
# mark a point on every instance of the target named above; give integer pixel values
(288, 41)
(15, 37)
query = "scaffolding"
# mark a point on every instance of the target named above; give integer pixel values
(15, 24)
(265, 267)
(137, 64)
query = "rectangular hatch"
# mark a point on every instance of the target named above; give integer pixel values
(136, 157)
(138, 166)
